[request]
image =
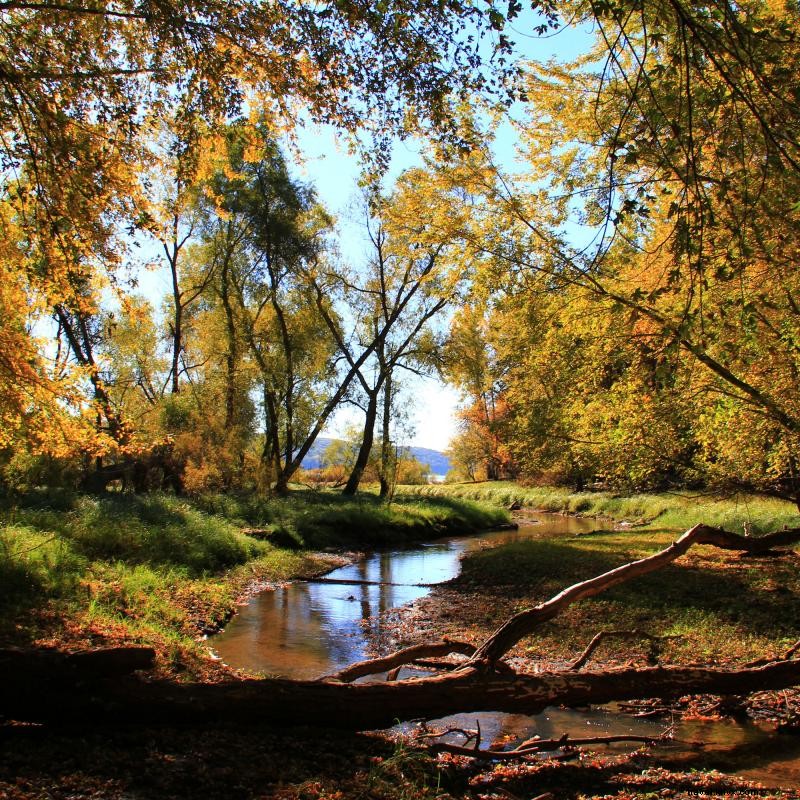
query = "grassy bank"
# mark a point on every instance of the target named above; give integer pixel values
(79, 570)
(666, 510)
(718, 606)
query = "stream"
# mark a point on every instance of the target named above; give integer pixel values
(308, 629)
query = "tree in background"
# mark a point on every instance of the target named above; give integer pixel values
(683, 301)
(407, 283)
(479, 450)
(86, 90)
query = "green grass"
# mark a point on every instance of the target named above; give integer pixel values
(158, 569)
(327, 519)
(721, 606)
(656, 511)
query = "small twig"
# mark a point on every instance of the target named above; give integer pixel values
(603, 635)
(465, 732)
(429, 663)
(506, 793)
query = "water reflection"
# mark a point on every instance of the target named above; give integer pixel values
(305, 630)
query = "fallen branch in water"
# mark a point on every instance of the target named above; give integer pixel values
(401, 658)
(533, 747)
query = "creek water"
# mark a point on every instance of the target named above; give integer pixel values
(309, 629)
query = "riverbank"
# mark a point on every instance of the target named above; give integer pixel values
(80, 571)
(219, 762)
(708, 606)
(656, 511)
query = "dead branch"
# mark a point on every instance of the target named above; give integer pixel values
(603, 635)
(524, 623)
(361, 706)
(400, 659)
(785, 657)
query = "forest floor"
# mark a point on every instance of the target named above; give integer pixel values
(81, 592)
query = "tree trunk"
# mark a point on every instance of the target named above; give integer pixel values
(177, 321)
(388, 468)
(232, 354)
(351, 487)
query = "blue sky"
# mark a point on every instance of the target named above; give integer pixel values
(327, 164)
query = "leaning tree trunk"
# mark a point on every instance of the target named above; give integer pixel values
(51, 687)
(362, 459)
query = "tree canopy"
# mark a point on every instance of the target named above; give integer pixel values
(627, 290)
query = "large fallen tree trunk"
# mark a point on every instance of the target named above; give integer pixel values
(46, 690)
(367, 705)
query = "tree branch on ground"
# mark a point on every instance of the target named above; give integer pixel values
(54, 690)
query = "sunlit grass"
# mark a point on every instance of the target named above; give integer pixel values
(161, 569)
(664, 510)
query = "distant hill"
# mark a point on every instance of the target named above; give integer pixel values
(438, 462)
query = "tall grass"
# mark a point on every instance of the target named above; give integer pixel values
(662, 510)
(328, 519)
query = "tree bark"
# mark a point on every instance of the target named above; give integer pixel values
(362, 459)
(388, 468)
(232, 352)
(68, 699)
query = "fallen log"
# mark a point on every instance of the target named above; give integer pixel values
(83, 665)
(62, 694)
(366, 706)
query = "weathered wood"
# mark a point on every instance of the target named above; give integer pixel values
(537, 746)
(365, 706)
(401, 658)
(524, 623)
(17, 664)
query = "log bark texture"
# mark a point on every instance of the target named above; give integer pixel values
(361, 706)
